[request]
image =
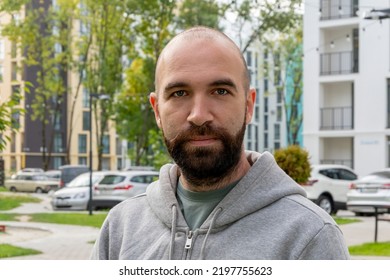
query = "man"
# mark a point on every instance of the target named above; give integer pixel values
(217, 201)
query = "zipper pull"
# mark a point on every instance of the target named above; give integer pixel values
(188, 241)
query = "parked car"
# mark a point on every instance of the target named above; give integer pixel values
(28, 170)
(69, 172)
(53, 174)
(31, 182)
(75, 196)
(328, 186)
(116, 187)
(372, 189)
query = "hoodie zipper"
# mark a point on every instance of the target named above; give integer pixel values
(188, 244)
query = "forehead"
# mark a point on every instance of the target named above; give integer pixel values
(203, 58)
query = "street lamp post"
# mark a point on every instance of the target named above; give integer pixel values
(101, 97)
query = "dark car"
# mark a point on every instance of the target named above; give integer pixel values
(69, 172)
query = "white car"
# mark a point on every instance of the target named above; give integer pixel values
(372, 189)
(75, 196)
(116, 187)
(328, 186)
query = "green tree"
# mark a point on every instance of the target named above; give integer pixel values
(7, 110)
(107, 39)
(43, 37)
(193, 13)
(286, 51)
(251, 20)
(134, 115)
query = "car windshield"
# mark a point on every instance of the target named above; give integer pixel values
(83, 181)
(112, 179)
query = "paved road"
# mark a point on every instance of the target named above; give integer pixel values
(66, 242)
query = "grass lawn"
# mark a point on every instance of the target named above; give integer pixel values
(344, 221)
(371, 249)
(81, 219)
(7, 251)
(3, 189)
(8, 202)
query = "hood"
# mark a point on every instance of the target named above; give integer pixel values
(264, 184)
(71, 191)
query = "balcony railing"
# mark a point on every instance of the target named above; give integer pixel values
(337, 118)
(338, 63)
(338, 9)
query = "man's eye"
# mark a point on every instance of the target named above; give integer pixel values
(221, 91)
(179, 93)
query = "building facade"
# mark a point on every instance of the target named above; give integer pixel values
(347, 84)
(67, 139)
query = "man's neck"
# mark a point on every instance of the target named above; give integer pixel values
(237, 173)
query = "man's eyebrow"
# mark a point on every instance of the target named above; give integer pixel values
(174, 85)
(224, 82)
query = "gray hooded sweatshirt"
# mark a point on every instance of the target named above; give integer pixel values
(265, 216)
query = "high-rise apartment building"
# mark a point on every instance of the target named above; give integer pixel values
(25, 148)
(347, 84)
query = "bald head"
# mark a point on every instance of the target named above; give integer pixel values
(201, 33)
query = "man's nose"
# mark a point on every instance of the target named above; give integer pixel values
(200, 111)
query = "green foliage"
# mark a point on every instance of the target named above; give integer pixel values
(295, 162)
(8, 251)
(194, 13)
(8, 110)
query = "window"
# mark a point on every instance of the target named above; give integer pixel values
(58, 143)
(86, 121)
(277, 131)
(57, 162)
(279, 113)
(265, 104)
(85, 98)
(106, 144)
(265, 140)
(14, 50)
(82, 160)
(14, 71)
(249, 58)
(265, 122)
(82, 143)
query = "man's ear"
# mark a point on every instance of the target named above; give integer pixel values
(250, 104)
(154, 102)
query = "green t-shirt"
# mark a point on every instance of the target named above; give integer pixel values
(197, 206)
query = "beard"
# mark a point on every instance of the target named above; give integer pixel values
(206, 165)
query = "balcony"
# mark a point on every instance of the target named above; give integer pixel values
(337, 63)
(337, 118)
(338, 9)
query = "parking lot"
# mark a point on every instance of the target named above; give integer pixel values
(67, 242)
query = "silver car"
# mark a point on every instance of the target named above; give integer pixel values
(373, 189)
(75, 196)
(116, 187)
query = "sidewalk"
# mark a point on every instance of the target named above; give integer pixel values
(55, 241)
(68, 242)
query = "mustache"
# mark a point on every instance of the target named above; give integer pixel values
(203, 130)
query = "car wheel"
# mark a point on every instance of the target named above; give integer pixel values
(326, 203)
(13, 189)
(38, 190)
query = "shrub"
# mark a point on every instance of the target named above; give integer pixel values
(295, 162)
